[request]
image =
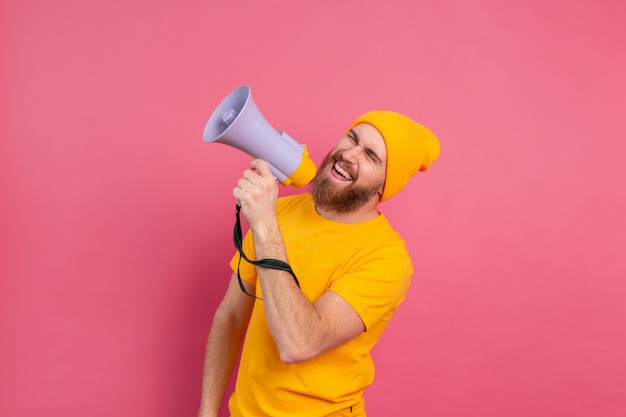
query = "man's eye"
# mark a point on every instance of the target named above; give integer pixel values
(373, 157)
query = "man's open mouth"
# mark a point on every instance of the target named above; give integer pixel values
(342, 172)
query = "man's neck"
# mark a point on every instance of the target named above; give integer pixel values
(360, 215)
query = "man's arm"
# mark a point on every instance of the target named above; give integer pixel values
(301, 330)
(229, 324)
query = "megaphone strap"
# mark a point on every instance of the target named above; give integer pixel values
(265, 263)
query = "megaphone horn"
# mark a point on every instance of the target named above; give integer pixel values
(237, 122)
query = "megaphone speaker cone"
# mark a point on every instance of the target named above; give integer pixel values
(237, 122)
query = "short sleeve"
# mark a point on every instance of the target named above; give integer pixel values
(375, 284)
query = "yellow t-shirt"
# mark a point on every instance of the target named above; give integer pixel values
(367, 264)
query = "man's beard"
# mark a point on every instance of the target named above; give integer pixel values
(342, 200)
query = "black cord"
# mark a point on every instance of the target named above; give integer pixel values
(265, 263)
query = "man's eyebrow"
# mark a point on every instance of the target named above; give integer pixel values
(368, 151)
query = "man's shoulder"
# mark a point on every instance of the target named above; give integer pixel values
(302, 199)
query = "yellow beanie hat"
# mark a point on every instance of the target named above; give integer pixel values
(411, 147)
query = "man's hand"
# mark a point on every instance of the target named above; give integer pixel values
(257, 192)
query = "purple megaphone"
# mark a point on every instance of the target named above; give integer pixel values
(237, 122)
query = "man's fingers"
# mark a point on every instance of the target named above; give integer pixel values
(249, 175)
(263, 168)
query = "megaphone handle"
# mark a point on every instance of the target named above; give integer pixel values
(278, 176)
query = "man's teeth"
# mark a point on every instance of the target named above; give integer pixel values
(342, 172)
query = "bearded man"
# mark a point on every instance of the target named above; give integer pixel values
(309, 327)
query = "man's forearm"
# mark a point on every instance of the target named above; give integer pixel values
(293, 321)
(219, 363)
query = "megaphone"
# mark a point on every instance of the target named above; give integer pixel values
(237, 122)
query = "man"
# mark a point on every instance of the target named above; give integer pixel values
(308, 337)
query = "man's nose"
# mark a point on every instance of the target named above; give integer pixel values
(352, 153)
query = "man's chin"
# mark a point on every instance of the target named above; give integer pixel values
(329, 196)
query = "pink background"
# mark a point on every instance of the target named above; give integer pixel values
(117, 218)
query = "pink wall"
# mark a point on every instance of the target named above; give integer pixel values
(116, 217)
